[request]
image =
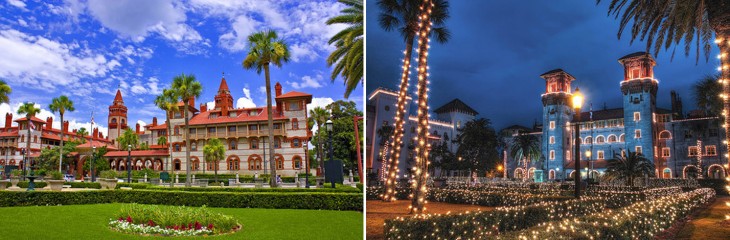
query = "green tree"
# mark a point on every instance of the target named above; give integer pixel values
(524, 149)
(628, 167)
(49, 158)
(348, 55)
(442, 157)
(162, 140)
(61, 105)
(343, 134)
(5, 91)
(320, 116)
(82, 133)
(100, 162)
(184, 88)
(144, 146)
(128, 138)
(477, 141)
(706, 91)
(266, 48)
(214, 151)
(29, 110)
(167, 101)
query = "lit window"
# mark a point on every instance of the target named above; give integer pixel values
(600, 155)
(637, 116)
(552, 154)
(552, 139)
(638, 149)
(693, 151)
(637, 133)
(552, 124)
(710, 150)
(623, 153)
(600, 139)
(665, 152)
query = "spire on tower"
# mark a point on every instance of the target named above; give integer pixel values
(118, 97)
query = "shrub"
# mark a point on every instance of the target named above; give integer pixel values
(135, 185)
(15, 173)
(201, 189)
(490, 198)
(108, 174)
(717, 184)
(177, 220)
(95, 185)
(56, 175)
(360, 186)
(301, 200)
(24, 184)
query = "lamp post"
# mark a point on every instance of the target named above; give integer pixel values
(329, 132)
(306, 166)
(129, 163)
(577, 103)
(588, 159)
(91, 165)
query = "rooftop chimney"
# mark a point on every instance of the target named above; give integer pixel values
(277, 87)
(137, 128)
(203, 107)
(49, 123)
(8, 120)
(191, 102)
(65, 126)
(154, 121)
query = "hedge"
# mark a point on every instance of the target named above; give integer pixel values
(490, 198)
(324, 201)
(340, 188)
(717, 184)
(621, 198)
(642, 220)
(487, 224)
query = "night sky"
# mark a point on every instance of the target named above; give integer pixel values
(498, 50)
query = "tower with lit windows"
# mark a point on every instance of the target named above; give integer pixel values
(117, 117)
(556, 114)
(639, 89)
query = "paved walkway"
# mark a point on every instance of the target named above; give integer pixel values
(709, 223)
(378, 211)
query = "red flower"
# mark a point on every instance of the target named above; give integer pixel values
(190, 226)
(176, 227)
(197, 225)
(129, 219)
(210, 226)
(121, 219)
(151, 223)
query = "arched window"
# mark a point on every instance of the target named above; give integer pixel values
(210, 165)
(12, 162)
(611, 138)
(196, 163)
(297, 162)
(233, 163)
(600, 139)
(665, 135)
(279, 161)
(193, 146)
(177, 164)
(254, 143)
(622, 138)
(123, 122)
(232, 144)
(295, 143)
(277, 142)
(254, 162)
(551, 175)
(588, 140)
(114, 120)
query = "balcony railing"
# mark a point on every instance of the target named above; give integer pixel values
(244, 133)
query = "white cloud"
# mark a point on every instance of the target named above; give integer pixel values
(210, 105)
(246, 101)
(141, 125)
(262, 89)
(319, 102)
(22, 22)
(17, 3)
(151, 87)
(307, 82)
(236, 39)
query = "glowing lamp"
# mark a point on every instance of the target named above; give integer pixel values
(577, 99)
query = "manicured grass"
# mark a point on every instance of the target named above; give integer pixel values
(91, 222)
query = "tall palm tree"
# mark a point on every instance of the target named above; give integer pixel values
(167, 101)
(524, 149)
(82, 133)
(61, 105)
(706, 91)
(5, 91)
(404, 15)
(629, 166)
(214, 151)
(128, 138)
(266, 48)
(667, 23)
(320, 116)
(348, 55)
(29, 110)
(185, 87)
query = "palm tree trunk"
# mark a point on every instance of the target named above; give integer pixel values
(421, 173)
(718, 14)
(188, 178)
(270, 119)
(215, 169)
(396, 141)
(60, 151)
(169, 146)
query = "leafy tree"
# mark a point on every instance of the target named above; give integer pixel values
(128, 138)
(61, 105)
(144, 146)
(29, 110)
(266, 48)
(706, 91)
(100, 162)
(214, 151)
(343, 134)
(525, 148)
(49, 158)
(442, 157)
(5, 91)
(185, 87)
(628, 167)
(348, 55)
(478, 145)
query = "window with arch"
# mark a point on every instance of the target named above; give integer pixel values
(552, 154)
(114, 120)
(177, 164)
(297, 162)
(622, 138)
(232, 144)
(211, 165)
(123, 121)
(279, 161)
(667, 173)
(193, 146)
(295, 143)
(196, 164)
(254, 162)
(612, 138)
(233, 163)
(294, 124)
(600, 139)
(254, 143)
(588, 140)
(277, 142)
(552, 139)
(665, 135)
(552, 174)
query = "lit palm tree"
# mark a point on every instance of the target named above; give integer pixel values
(5, 91)
(82, 133)
(167, 101)
(61, 105)
(29, 110)
(185, 87)
(348, 55)
(667, 23)
(706, 91)
(629, 166)
(525, 148)
(214, 151)
(404, 15)
(320, 116)
(266, 48)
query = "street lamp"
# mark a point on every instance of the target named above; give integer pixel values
(129, 163)
(588, 158)
(328, 124)
(577, 100)
(91, 166)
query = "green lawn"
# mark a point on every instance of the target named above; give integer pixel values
(90, 222)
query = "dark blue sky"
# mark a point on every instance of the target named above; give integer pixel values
(499, 48)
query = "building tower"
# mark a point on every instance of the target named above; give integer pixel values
(223, 100)
(117, 117)
(556, 114)
(639, 90)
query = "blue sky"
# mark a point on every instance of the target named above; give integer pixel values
(88, 49)
(499, 49)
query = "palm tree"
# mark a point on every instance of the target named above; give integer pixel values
(5, 91)
(82, 134)
(320, 116)
(29, 110)
(384, 133)
(404, 15)
(214, 151)
(348, 55)
(525, 148)
(706, 91)
(144, 146)
(266, 48)
(667, 23)
(61, 105)
(128, 138)
(185, 88)
(162, 140)
(167, 101)
(629, 166)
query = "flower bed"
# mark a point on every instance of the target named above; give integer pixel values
(171, 221)
(642, 220)
(487, 224)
